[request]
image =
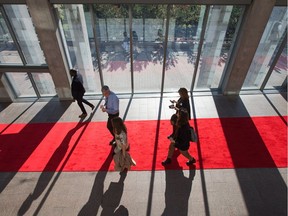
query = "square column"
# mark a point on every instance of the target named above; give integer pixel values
(249, 37)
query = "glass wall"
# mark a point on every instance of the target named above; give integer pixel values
(78, 34)
(106, 32)
(112, 27)
(219, 34)
(279, 74)
(44, 84)
(8, 52)
(111, 36)
(23, 28)
(185, 27)
(19, 45)
(149, 26)
(267, 49)
(22, 86)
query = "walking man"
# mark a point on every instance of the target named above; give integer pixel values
(77, 91)
(111, 106)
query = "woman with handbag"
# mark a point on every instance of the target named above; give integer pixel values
(181, 139)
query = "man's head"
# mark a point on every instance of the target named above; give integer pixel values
(73, 72)
(105, 90)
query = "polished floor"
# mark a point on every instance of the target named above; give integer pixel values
(205, 192)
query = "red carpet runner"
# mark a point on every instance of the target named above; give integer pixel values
(223, 143)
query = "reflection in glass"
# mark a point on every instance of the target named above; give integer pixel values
(23, 27)
(44, 84)
(267, 49)
(149, 24)
(112, 25)
(21, 84)
(8, 51)
(279, 74)
(183, 40)
(218, 40)
(78, 34)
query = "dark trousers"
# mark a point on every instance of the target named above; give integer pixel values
(80, 102)
(109, 123)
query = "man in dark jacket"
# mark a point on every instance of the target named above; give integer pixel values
(78, 90)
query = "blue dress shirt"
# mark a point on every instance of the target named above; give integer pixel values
(112, 103)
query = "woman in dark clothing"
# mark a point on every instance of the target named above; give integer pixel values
(182, 103)
(181, 138)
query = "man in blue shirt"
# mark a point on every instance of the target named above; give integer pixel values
(111, 106)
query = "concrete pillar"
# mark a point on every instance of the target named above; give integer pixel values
(41, 12)
(249, 37)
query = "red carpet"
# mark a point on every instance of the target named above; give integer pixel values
(223, 143)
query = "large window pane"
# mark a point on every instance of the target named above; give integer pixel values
(21, 84)
(111, 23)
(74, 25)
(23, 27)
(183, 40)
(218, 40)
(279, 74)
(8, 51)
(44, 84)
(267, 48)
(149, 24)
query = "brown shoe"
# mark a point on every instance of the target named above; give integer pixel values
(83, 115)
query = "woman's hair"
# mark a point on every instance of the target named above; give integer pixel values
(118, 125)
(173, 119)
(183, 117)
(183, 93)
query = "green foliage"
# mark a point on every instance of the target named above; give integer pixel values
(185, 14)
(111, 11)
(149, 11)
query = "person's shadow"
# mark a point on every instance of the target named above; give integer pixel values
(91, 207)
(121, 211)
(112, 197)
(178, 189)
(50, 169)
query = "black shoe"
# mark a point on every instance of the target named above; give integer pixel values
(83, 115)
(190, 162)
(112, 142)
(167, 161)
(92, 107)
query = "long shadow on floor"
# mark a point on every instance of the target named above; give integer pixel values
(112, 197)
(151, 188)
(12, 144)
(264, 190)
(4, 105)
(284, 95)
(178, 189)
(51, 167)
(92, 206)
